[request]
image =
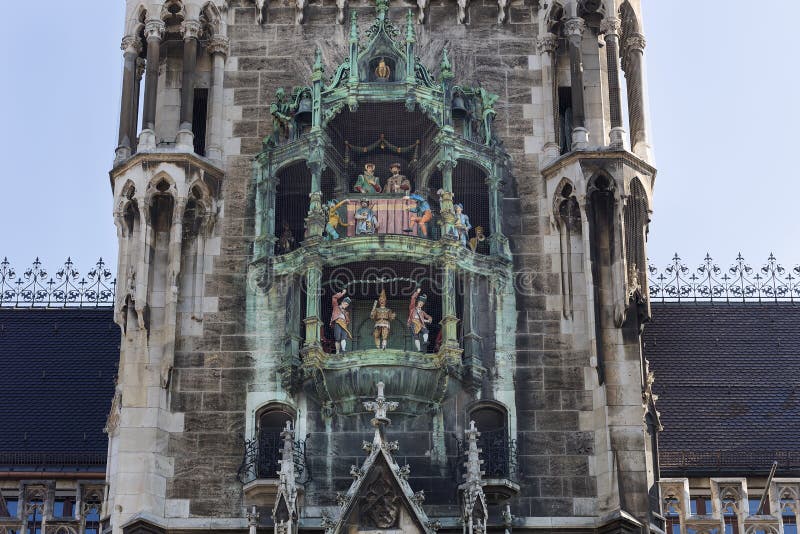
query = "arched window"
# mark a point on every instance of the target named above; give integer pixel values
(492, 422)
(271, 422)
(471, 191)
(291, 206)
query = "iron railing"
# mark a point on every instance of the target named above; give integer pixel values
(261, 456)
(36, 288)
(740, 282)
(498, 452)
(728, 460)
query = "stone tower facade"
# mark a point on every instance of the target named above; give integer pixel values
(334, 216)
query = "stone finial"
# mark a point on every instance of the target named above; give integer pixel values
(474, 461)
(354, 26)
(319, 66)
(380, 406)
(411, 34)
(475, 511)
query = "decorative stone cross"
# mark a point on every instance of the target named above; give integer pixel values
(380, 406)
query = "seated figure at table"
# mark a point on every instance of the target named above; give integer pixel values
(368, 183)
(397, 183)
(366, 220)
(420, 216)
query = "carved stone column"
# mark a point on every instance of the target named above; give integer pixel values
(632, 65)
(449, 323)
(131, 48)
(611, 27)
(137, 90)
(154, 31)
(218, 48)
(191, 31)
(313, 322)
(574, 28)
(498, 243)
(546, 46)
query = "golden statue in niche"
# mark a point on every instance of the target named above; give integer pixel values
(382, 71)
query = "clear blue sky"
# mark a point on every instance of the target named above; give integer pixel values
(724, 142)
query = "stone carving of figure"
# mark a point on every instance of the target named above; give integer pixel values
(418, 319)
(479, 243)
(368, 183)
(382, 71)
(421, 215)
(340, 321)
(463, 225)
(334, 220)
(286, 242)
(397, 183)
(281, 111)
(488, 100)
(366, 220)
(383, 317)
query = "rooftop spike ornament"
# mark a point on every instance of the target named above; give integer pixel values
(474, 500)
(284, 514)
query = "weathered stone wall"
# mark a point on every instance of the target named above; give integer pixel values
(548, 383)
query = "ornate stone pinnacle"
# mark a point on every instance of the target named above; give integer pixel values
(380, 406)
(354, 26)
(474, 461)
(318, 65)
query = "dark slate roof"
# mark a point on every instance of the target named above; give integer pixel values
(728, 381)
(56, 384)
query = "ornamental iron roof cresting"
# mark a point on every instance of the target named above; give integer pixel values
(772, 282)
(36, 288)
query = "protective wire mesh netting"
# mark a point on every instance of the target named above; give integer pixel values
(364, 283)
(385, 150)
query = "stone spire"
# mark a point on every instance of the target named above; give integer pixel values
(284, 514)
(475, 511)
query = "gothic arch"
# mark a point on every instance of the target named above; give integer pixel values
(137, 20)
(173, 9)
(210, 15)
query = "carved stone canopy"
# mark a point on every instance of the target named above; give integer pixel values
(380, 497)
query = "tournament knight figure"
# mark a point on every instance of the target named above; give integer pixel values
(383, 317)
(418, 319)
(340, 321)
